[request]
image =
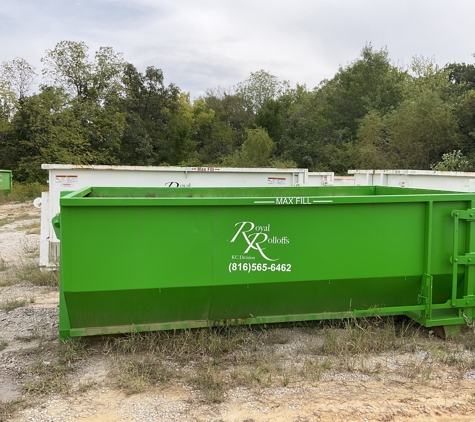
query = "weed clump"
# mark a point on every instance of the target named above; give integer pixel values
(12, 304)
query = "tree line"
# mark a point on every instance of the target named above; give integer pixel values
(99, 109)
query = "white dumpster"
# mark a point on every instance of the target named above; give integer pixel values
(315, 178)
(424, 179)
(343, 181)
(66, 177)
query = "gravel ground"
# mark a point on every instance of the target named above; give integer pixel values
(385, 386)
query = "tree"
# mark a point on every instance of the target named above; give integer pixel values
(184, 126)
(68, 66)
(369, 83)
(425, 76)
(231, 110)
(461, 75)
(149, 107)
(452, 161)
(8, 102)
(465, 113)
(257, 148)
(260, 87)
(421, 130)
(46, 130)
(19, 75)
(310, 138)
(214, 141)
(371, 147)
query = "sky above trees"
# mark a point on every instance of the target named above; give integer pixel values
(210, 43)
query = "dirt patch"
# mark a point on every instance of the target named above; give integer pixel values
(287, 373)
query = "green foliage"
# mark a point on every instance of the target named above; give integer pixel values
(22, 192)
(257, 148)
(371, 150)
(465, 114)
(149, 108)
(452, 161)
(99, 109)
(255, 152)
(421, 130)
(19, 76)
(369, 83)
(67, 66)
(425, 76)
(230, 109)
(260, 87)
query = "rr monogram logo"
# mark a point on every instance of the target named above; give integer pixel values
(253, 240)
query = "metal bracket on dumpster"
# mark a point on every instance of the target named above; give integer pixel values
(56, 222)
(468, 259)
(464, 214)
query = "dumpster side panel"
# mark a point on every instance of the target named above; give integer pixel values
(125, 265)
(5, 180)
(188, 263)
(136, 246)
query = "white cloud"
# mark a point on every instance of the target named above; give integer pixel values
(211, 43)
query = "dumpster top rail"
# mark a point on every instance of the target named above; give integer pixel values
(124, 196)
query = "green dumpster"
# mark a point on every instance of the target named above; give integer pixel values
(5, 180)
(141, 259)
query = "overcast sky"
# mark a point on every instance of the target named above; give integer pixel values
(204, 44)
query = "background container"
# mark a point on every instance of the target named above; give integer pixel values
(66, 177)
(139, 259)
(5, 180)
(425, 179)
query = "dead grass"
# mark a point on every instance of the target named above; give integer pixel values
(12, 304)
(13, 218)
(29, 271)
(32, 228)
(3, 265)
(3, 344)
(9, 408)
(212, 361)
(53, 364)
(47, 378)
(135, 374)
(216, 359)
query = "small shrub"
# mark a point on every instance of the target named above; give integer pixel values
(12, 304)
(29, 271)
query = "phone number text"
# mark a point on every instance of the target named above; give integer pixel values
(249, 268)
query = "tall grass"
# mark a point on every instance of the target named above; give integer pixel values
(22, 192)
